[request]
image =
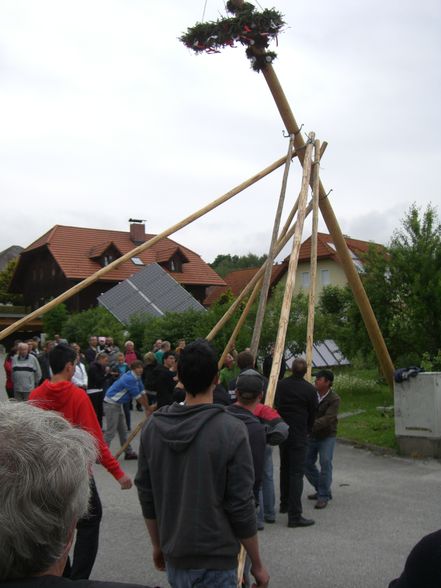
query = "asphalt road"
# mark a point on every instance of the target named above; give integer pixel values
(382, 506)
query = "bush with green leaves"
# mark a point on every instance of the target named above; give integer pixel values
(54, 321)
(95, 321)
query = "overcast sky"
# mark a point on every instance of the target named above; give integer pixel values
(105, 115)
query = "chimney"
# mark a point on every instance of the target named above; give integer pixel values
(137, 231)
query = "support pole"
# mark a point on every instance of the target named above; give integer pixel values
(349, 268)
(313, 264)
(130, 438)
(240, 322)
(290, 281)
(271, 255)
(283, 240)
(137, 250)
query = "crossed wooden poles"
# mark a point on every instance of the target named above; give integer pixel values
(304, 152)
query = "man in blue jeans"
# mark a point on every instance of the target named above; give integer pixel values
(322, 440)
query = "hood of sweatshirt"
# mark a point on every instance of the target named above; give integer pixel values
(54, 396)
(178, 425)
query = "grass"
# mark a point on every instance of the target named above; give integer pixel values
(361, 390)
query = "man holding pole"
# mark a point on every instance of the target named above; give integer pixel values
(296, 401)
(195, 483)
(60, 395)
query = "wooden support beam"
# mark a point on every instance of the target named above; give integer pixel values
(140, 248)
(313, 263)
(283, 240)
(347, 263)
(279, 347)
(271, 256)
(240, 322)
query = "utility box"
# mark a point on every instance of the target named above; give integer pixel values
(418, 415)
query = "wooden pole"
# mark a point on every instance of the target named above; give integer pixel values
(240, 322)
(283, 240)
(291, 277)
(313, 264)
(130, 438)
(271, 255)
(140, 248)
(347, 263)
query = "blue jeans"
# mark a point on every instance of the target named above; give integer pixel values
(182, 578)
(267, 496)
(321, 480)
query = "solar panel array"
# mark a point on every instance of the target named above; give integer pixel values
(151, 290)
(324, 354)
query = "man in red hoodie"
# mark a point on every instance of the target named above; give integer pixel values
(60, 395)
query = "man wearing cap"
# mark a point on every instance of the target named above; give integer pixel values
(296, 402)
(249, 391)
(322, 441)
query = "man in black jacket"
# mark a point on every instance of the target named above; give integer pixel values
(195, 482)
(296, 401)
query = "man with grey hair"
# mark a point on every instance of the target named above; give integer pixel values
(26, 372)
(45, 465)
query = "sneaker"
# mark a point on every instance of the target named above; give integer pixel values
(300, 522)
(131, 455)
(269, 520)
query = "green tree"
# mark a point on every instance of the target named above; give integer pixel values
(5, 279)
(225, 263)
(54, 320)
(95, 321)
(403, 283)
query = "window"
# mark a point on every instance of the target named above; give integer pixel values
(137, 261)
(305, 279)
(325, 277)
(175, 264)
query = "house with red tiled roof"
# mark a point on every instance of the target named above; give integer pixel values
(329, 269)
(238, 279)
(64, 256)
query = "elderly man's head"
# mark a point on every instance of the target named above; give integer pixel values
(22, 349)
(44, 490)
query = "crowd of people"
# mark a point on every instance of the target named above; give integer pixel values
(205, 467)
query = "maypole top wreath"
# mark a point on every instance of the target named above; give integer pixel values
(248, 27)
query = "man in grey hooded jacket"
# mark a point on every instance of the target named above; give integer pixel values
(195, 483)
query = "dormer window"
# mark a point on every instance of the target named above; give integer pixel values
(105, 253)
(175, 264)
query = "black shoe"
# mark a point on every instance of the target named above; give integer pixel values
(313, 496)
(321, 504)
(283, 509)
(300, 522)
(268, 520)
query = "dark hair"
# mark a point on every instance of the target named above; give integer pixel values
(327, 374)
(136, 364)
(167, 354)
(197, 366)
(299, 367)
(60, 356)
(245, 360)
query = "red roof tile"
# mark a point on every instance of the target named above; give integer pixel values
(238, 279)
(72, 246)
(326, 247)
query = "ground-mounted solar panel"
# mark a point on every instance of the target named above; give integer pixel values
(151, 290)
